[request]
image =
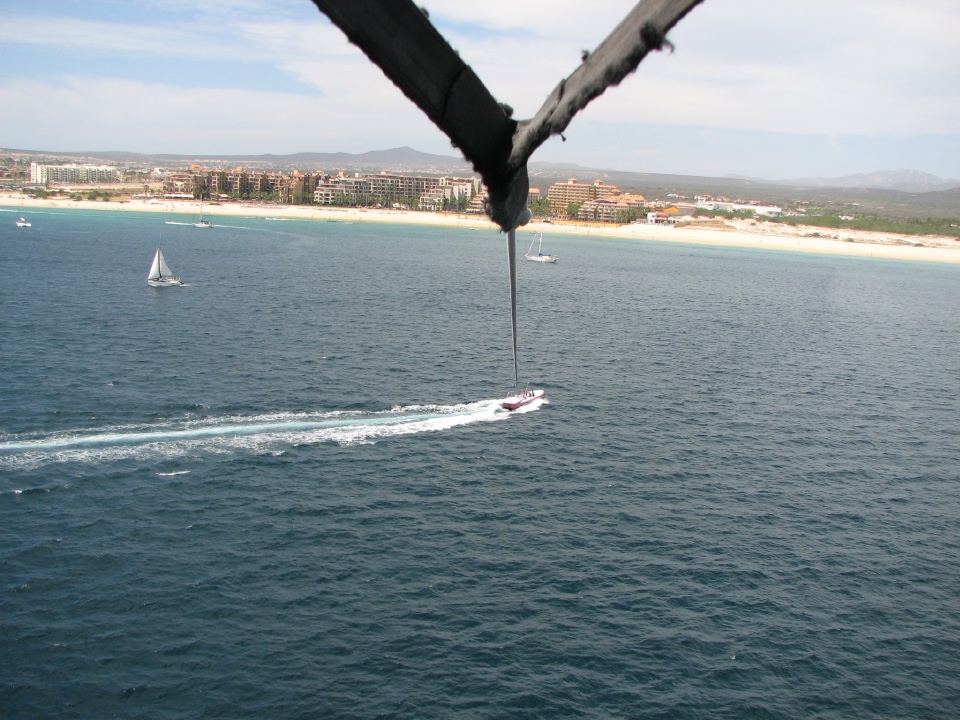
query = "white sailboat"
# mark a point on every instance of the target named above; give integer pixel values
(160, 274)
(201, 223)
(539, 257)
(22, 221)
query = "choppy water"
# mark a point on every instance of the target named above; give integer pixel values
(286, 489)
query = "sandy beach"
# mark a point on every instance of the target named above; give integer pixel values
(739, 233)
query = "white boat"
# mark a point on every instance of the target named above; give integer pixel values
(160, 274)
(22, 221)
(201, 223)
(539, 257)
(525, 398)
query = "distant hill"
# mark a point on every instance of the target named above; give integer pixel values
(406, 159)
(395, 158)
(902, 180)
(896, 193)
(909, 181)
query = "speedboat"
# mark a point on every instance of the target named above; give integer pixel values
(525, 398)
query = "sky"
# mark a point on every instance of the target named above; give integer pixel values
(775, 89)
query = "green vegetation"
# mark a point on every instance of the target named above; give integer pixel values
(457, 204)
(541, 207)
(928, 226)
(904, 226)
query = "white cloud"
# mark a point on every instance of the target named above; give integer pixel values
(858, 67)
(164, 118)
(54, 32)
(877, 68)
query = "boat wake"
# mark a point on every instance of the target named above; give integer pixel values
(258, 434)
(190, 224)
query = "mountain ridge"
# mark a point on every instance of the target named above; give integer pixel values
(904, 180)
(407, 158)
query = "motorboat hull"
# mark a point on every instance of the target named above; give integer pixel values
(524, 398)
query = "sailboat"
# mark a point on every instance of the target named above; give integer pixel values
(201, 223)
(22, 221)
(539, 257)
(160, 274)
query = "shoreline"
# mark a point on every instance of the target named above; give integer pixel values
(732, 233)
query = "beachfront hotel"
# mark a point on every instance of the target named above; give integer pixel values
(431, 191)
(562, 194)
(41, 174)
(619, 208)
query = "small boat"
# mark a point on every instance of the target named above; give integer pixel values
(201, 223)
(160, 274)
(22, 222)
(539, 257)
(525, 398)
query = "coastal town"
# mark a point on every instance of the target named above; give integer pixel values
(568, 200)
(570, 205)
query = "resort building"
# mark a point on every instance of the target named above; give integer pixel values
(622, 208)
(298, 188)
(562, 194)
(41, 174)
(429, 191)
(723, 205)
(446, 193)
(341, 190)
(477, 205)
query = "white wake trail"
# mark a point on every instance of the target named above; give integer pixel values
(259, 433)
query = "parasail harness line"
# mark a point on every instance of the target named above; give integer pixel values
(399, 38)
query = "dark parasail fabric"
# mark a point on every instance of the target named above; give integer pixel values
(399, 38)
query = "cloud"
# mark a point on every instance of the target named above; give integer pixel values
(280, 78)
(158, 118)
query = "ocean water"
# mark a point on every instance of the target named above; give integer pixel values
(286, 489)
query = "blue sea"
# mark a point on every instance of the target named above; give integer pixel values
(286, 489)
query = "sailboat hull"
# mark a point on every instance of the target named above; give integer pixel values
(165, 282)
(542, 258)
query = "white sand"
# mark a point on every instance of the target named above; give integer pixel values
(740, 233)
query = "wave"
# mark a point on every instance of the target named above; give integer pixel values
(257, 433)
